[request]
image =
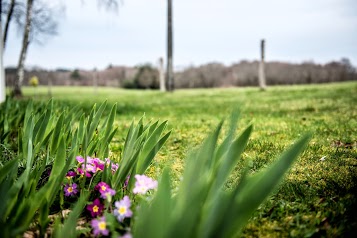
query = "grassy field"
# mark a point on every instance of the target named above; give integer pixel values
(319, 195)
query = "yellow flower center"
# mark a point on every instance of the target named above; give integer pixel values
(69, 189)
(95, 208)
(122, 210)
(104, 188)
(102, 225)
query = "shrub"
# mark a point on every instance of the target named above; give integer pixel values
(34, 81)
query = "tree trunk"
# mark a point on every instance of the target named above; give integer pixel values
(262, 83)
(169, 71)
(162, 75)
(25, 43)
(2, 70)
(8, 20)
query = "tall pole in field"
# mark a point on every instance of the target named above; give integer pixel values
(262, 83)
(95, 81)
(162, 75)
(49, 78)
(169, 71)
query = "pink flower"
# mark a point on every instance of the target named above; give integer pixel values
(122, 209)
(80, 159)
(102, 187)
(81, 172)
(95, 208)
(143, 184)
(99, 226)
(98, 165)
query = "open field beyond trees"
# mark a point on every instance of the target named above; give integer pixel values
(318, 196)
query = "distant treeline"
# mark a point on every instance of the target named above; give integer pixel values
(244, 73)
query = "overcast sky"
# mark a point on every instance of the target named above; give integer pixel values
(226, 31)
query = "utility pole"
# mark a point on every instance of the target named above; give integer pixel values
(169, 71)
(262, 83)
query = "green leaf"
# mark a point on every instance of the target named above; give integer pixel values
(155, 217)
(146, 161)
(254, 190)
(70, 224)
(8, 168)
(56, 134)
(60, 159)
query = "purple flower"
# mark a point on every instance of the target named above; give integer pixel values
(71, 174)
(143, 184)
(108, 194)
(99, 226)
(114, 165)
(95, 208)
(122, 209)
(126, 183)
(102, 187)
(70, 189)
(126, 235)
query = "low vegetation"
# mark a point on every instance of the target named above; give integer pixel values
(316, 198)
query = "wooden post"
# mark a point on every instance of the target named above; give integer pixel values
(162, 75)
(49, 81)
(95, 80)
(262, 83)
(169, 71)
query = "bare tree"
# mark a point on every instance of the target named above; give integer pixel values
(25, 43)
(39, 21)
(169, 71)
(2, 70)
(8, 20)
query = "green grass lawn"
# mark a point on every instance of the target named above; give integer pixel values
(317, 197)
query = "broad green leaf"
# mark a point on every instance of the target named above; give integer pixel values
(255, 189)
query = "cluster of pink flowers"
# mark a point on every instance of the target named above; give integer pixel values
(93, 165)
(89, 167)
